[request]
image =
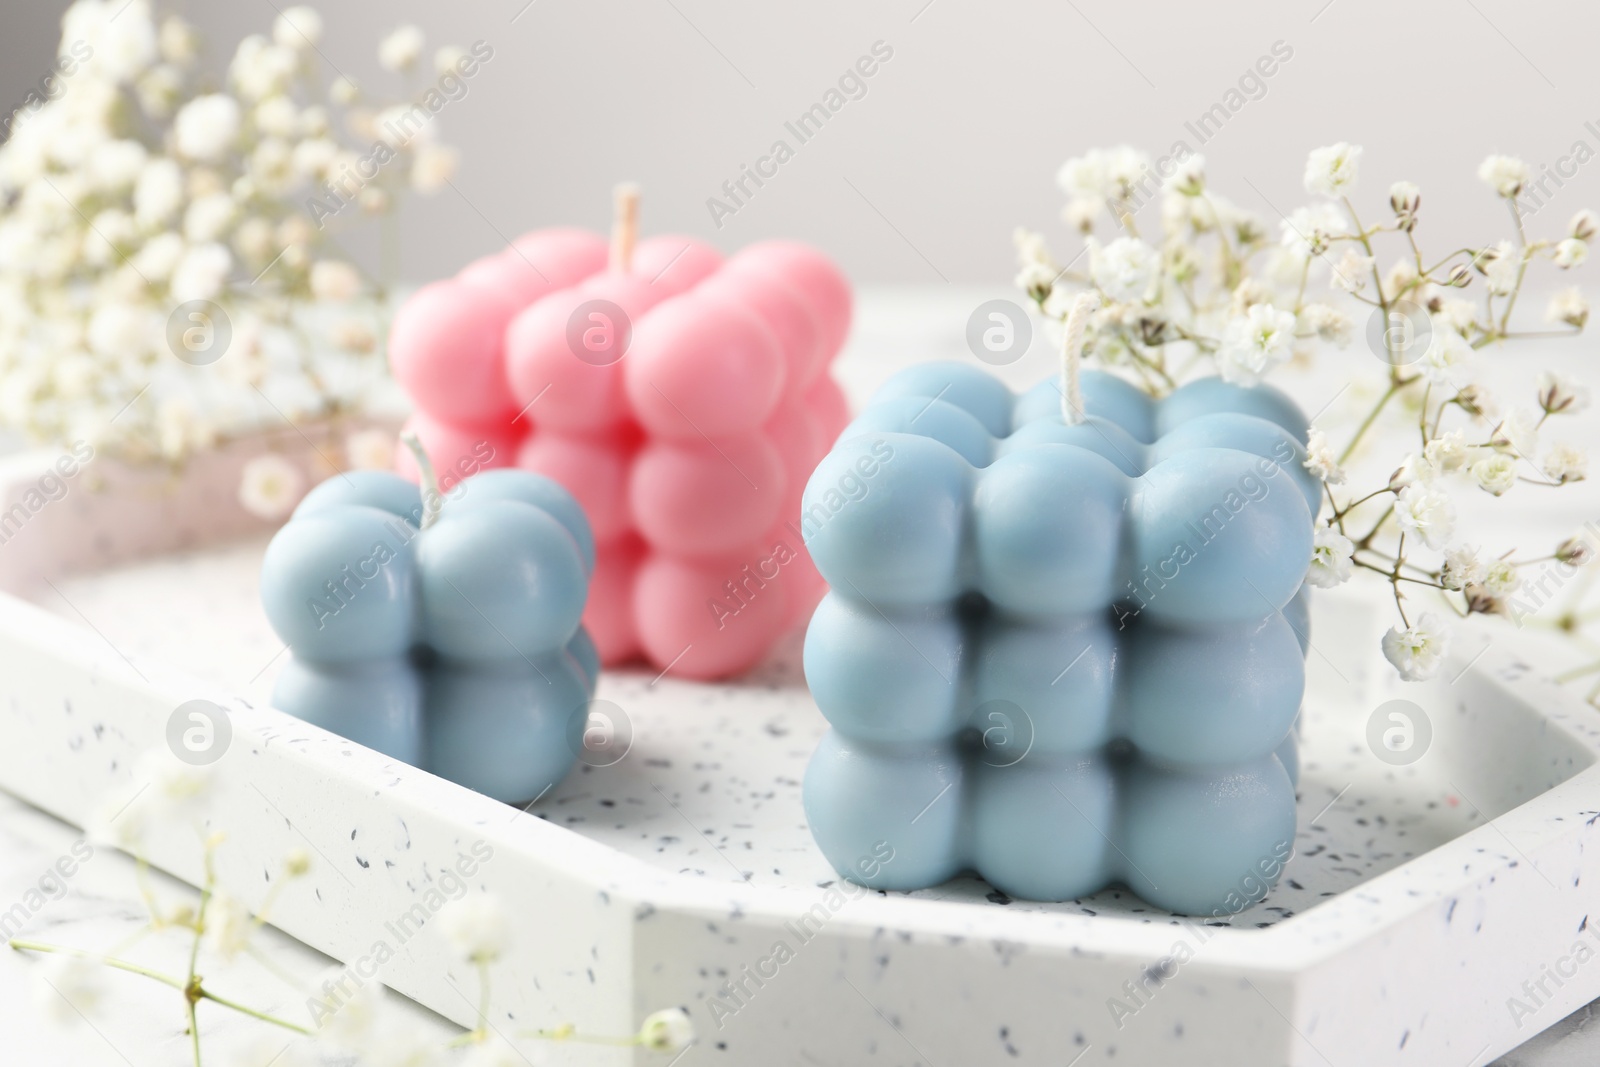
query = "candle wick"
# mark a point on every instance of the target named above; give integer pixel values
(1072, 357)
(624, 226)
(431, 500)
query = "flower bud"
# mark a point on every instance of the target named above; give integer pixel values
(1460, 276)
(1575, 551)
(1405, 198)
(1585, 224)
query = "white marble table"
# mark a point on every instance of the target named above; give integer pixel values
(141, 1023)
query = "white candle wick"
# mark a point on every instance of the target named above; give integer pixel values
(1072, 357)
(624, 226)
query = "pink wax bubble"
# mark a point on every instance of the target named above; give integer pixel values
(702, 368)
(688, 447)
(813, 274)
(455, 451)
(673, 602)
(827, 402)
(562, 255)
(593, 469)
(509, 274)
(784, 311)
(704, 499)
(609, 614)
(564, 354)
(675, 263)
(445, 348)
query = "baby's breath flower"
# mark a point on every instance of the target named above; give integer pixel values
(1495, 473)
(669, 1030)
(400, 49)
(228, 924)
(1584, 225)
(1328, 323)
(1080, 213)
(1500, 578)
(1499, 266)
(1189, 177)
(271, 486)
(1404, 199)
(1331, 553)
(1412, 469)
(1322, 460)
(1577, 551)
(297, 862)
(1568, 306)
(1351, 271)
(1306, 231)
(1476, 398)
(1566, 463)
(297, 27)
(1426, 512)
(1570, 253)
(433, 167)
(477, 926)
(1559, 395)
(370, 450)
(1448, 451)
(200, 273)
(1253, 342)
(1457, 315)
(1123, 269)
(1519, 432)
(1331, 170)
(1445, 352)
(1461, 568)
(206, 127)
(332, 279)
(1506, 175)
(68, 989)
(1418, 650)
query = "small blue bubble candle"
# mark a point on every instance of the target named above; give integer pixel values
(442, 632)
(1063, 652)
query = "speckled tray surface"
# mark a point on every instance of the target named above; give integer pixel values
(710, 788)
(1420, 897)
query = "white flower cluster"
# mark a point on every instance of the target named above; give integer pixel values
(1214, 294)
(142, 186)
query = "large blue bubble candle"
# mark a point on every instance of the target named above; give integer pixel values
(1064, 642)
(442, 632)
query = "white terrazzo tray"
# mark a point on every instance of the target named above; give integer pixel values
(1419, 902)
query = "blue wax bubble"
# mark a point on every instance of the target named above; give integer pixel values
(937, 419)
(1206, 842)
(1105, 396)
(373, 702)
(456, 648)
(1043, 829)
(892, 677)
(376, 489)
(862, 800)
(893, 535)
(582, 648)
(1217, 540)
(1090, 636)
(1246, 433)
(338, 584)
(960, 384)
(499, 580)
(543, 493)
(1048, 530)
(1179, 708)
(1208, 396)
(501, 728)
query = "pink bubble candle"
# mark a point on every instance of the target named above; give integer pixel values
(681, 396)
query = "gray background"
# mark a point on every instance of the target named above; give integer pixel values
(960, 134)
